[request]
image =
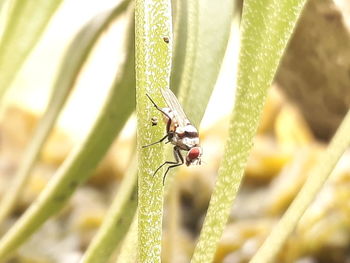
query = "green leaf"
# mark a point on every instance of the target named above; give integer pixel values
(205, 50)
(26, 20)
(127, 251)
(266, 28)
(180, 39)
(84, 158)
(318, 176)
(194, 90)
(191, 41)
(207, 33)
(73, 61)
(153, 64)
(117, 221)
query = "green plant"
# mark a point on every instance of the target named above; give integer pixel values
(21, 34)
(266, 27)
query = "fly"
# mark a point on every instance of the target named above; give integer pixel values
(179, 132)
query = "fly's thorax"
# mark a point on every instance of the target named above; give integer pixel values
(188, 131)
(186, 137)
(171, 115)
(189, 142)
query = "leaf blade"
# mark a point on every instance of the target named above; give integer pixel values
(21, 35)
(80, 163)
(153, 66)
(208, 45)
(316, 179)
(73, 61)
(117, 221)
(266, 27)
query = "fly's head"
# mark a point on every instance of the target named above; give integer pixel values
(194, 156)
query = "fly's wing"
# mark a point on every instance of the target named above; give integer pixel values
(175, 106)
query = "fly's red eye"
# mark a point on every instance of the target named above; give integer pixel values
(194, 153)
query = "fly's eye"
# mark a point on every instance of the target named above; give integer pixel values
(193, 153)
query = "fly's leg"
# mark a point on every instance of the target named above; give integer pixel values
(166, 115)
(169, 133)
(158, 108)
(160, 167)
(179, 161)
(145, 146)
(168, 124)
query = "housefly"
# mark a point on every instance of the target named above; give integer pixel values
(179, 132)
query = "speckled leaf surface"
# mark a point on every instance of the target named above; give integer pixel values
(153, 64)
(266, 28)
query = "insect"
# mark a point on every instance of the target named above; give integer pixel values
(166, 40)
(179, 132)
(154, 121)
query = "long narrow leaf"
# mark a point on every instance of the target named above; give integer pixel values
(194, 92)
(84, 158)
(153, 64)
(205, 50)
(205, 43)
(26, 22)
(191, 45)
(117, 221)
(222, 13)
(180, 40)
(72, 63)
(127, 251)
(266, 28)
(307, 194)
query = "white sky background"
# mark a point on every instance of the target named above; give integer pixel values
(30, 88)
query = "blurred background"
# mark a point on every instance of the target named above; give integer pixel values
(306, 104)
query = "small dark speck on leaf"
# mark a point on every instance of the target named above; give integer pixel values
(154, 121)
(166, 39)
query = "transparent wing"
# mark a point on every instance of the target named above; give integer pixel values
(175, 106)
